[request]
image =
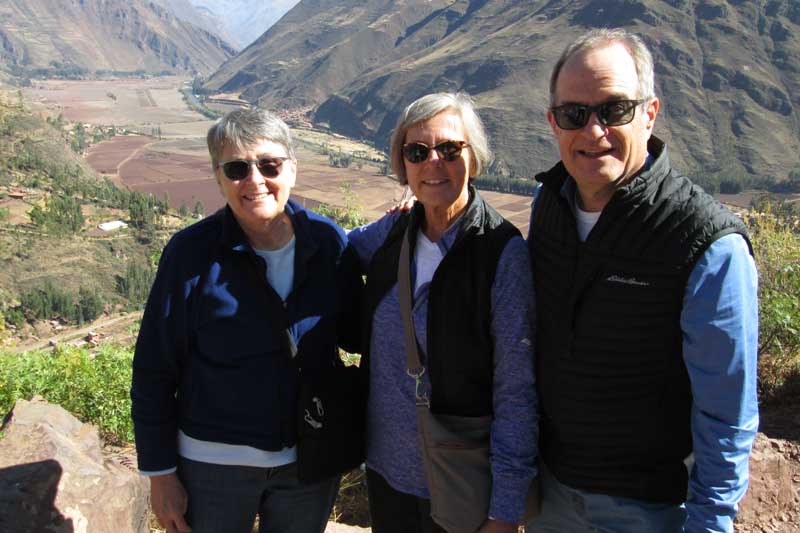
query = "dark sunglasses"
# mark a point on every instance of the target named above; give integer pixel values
(576, 116)
(447, 150)
(239, 169)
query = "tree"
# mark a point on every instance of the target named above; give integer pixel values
(727, 186)
(199, 210)
(59, 216)
(135, 283)
(78, 140)
(90, 305)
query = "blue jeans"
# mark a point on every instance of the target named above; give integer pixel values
(568, 510)
(224, 498)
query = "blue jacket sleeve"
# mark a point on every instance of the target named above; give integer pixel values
(515, 429)
(720, 343)
(160, 347)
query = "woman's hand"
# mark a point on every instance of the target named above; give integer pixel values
(169, 501)
(406, 202)
(498, 526)
(403, 206)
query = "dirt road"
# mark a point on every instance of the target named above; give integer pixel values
(105, 326)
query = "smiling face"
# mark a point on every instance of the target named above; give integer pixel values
(601, 158)
(441, 186)
(256, 201)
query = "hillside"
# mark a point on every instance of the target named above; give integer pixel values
(56, 266)
(727, 71)
(68, 38)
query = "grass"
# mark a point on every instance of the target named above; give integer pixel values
(93, 385)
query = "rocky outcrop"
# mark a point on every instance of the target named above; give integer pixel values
(54, 477)
(772, 502)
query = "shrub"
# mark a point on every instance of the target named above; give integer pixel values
(199, 210)
(350, 215)
(92, 386)
(15, 317)
(776, 242)
(339, 160)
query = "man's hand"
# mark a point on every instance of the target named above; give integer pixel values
(169, 501)
(498, 526)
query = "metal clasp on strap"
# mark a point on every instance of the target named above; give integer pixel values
(420, 395)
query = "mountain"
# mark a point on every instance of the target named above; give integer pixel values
(727, 72)
(243, 20)
(124, 35)
(185, 11)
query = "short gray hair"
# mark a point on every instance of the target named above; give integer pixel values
(247, 127)
(429, 106)
(601, 37)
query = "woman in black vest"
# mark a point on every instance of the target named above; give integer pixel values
(471, 305)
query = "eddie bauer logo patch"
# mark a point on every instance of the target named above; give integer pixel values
(627, 281)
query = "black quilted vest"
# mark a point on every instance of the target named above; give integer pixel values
(460, 349)
(615, 394)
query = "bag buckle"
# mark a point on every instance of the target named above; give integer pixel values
(318, 403)
(311, 422)
(420, 395)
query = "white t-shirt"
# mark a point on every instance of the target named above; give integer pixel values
(427, 257)
(280, 267)
(585, 220)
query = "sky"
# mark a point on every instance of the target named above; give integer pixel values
(244, 21)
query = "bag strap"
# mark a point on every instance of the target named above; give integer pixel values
(414, 369)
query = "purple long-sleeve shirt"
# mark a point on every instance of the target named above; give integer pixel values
(393, 440)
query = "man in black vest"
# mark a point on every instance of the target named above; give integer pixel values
(647, 314)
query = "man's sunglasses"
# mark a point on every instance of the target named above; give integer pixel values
(447, 150)
(239, 169)
(576, 116)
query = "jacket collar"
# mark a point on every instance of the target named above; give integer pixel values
(233, 237)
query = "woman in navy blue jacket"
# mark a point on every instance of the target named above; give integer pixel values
(215, 374)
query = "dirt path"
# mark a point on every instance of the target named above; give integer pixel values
(97, 326)
(131, 156)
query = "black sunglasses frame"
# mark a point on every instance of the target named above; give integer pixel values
(269, 167)
(424, 151)
(564, 121)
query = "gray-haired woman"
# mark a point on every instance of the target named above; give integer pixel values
(472, 310)
(215, 373)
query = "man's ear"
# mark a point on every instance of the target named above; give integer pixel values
(651, 110)
(552, 121)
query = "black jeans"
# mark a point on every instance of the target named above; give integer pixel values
(397, 512)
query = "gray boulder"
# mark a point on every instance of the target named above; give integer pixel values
(54, 477)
